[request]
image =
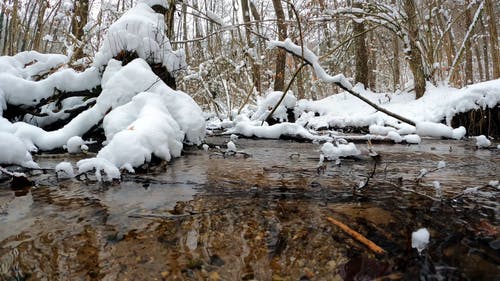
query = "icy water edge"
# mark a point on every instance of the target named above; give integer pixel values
(210, 216)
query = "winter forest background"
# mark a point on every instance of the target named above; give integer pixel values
(382, 44)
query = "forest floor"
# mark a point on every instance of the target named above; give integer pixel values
(261, 215)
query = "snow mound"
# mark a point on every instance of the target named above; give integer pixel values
(231, 147)
(482, 141)
(64, 170)
(266, 104)
(332, 152)
(141, 30)
(438, 130)
(252, 129)
(13, 151)
(420, 239)
(76, 144)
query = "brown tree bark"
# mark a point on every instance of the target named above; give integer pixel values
(396, 72)
(78, 22)
(245, 10)
(415, 57)
(468, 79)
(486, 61)
(495, 52)
(39, 27)
(279, 81)
(361, 52)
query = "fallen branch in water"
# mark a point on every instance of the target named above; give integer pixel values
(356, 235)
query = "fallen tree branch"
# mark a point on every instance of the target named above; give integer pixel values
(310, 58)
(356, 235)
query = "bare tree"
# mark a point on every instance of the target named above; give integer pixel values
(279, 81)
(361, 51)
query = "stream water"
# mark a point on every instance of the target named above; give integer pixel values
(260, 216)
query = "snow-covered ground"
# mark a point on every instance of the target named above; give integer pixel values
(432, 113)
(142, 117)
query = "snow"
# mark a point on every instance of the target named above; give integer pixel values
(437, 188)
(441, 164)
(215, 18)
(76, 144)
(267, 103)
(311, 58)
(482, 141)
(17, 85)
(231, 147)
(141, 30)
(13, 151)
(412, 139)
(205, 147)
(64, 170)
(333, 152)
(253, 129)
(394, 136)
(420, 239)
(438, 130)
(439, 104)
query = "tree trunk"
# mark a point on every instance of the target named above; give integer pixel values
(361, 52)
(39, 27)
(279, 81)
(245, 10)
(492, 24)
(396, 73)
(486, 61)
(169, 19)
(415, 57)
(468, 48)
(78, 22)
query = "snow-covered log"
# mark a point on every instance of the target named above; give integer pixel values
(141, 115)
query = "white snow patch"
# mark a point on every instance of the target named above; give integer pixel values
(231, 147)
(64, 170)
(141, 30)
(441, 164)
(482, 141)
(394, 136)
(332, 152)
(266, 104)
(13, 151)
(412, 139)
(76, 144)
(420, 239)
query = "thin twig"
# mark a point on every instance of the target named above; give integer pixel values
(356, 235)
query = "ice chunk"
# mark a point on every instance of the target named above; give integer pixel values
(64, 170)
(420, 239)
(441, 164)
(394, 136)
(205, 147)
(332, 152)
(413, 139)
(231, 147)
(482, 141)
(458, 133)
(437, 188)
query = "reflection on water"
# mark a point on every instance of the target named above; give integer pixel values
(210, 216)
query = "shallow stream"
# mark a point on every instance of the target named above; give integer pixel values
(260, 215)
